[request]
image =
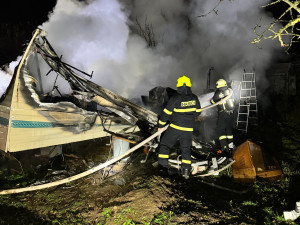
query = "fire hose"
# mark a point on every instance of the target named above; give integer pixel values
(100, 166)
(219, 102)
(86, 173)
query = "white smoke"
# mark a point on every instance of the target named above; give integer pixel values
(96, 36)
(5, 76)
(4, 81)
(194, 44)
(86, 34)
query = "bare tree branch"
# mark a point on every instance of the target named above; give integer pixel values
(213, 10)
(146, 32)
(287, 30)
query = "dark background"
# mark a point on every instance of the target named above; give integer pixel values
(18, 20)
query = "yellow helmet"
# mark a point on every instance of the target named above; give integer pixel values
(221, 83)
(184, 80)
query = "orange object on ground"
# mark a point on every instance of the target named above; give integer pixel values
(251, 161)
(146, 151)
(219, 152)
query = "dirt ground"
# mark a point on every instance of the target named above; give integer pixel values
(141, 195)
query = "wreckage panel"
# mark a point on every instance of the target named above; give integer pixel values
(250, 162)
(265, 165)
(275, 174)
(36, 127)
(243, 167)
(34, 124)
(3, 135)
(63, 113)
(257, 158)
(67, 118)
(25, 135)
(4, 120)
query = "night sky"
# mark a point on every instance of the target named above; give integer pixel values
(18, 19)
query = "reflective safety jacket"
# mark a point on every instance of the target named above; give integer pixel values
(221, 93)
(181, 110)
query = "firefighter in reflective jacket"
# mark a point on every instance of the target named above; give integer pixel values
(225, 117)
(180, 113)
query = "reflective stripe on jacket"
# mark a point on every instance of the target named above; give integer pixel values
(181, 110)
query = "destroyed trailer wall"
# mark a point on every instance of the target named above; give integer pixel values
(31, 123)
(27, 123)
(128, 110)
(5, 103)
(47, 92)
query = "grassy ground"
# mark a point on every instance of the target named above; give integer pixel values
(140, 195)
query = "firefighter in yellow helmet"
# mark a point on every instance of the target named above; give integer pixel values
(180, 114)
(225, 117)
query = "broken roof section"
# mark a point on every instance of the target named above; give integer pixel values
(30, 119)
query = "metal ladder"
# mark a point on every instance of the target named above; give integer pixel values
(247, 109)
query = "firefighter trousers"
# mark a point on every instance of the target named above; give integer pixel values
(224, 128)
(168, 140)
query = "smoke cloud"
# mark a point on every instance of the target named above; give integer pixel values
(4, 81)
(99, 36)
(6, 75)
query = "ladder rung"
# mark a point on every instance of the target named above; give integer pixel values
(247, 99)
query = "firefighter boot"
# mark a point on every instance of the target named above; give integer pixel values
(173, 171)
(162, 170)
(185, 172)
